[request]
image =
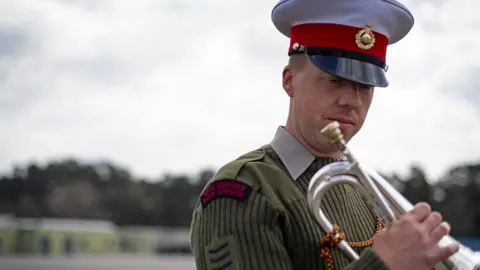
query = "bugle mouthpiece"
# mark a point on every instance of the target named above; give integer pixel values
(332, 132)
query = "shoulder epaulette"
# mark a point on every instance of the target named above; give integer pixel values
(226, 183)
(232, 169)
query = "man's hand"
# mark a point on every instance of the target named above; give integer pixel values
(412, 241)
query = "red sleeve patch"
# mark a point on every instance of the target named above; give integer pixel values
(225, 189)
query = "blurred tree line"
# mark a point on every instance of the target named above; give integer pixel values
(71, 189)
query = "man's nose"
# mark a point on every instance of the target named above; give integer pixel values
(351, 96)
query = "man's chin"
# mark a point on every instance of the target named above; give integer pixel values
(346, 127)
(348, 133)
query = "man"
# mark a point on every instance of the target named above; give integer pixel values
(253, 213)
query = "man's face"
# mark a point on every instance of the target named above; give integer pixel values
(319, 98)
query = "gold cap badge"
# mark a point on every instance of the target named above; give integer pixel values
(365, 38)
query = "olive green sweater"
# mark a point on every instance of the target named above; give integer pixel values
(252, 215)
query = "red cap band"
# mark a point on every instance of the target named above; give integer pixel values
(338, 37)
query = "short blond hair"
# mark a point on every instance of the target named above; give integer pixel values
(297, 61)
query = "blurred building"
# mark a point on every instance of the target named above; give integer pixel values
(138, 239)
(67, 237)
(8, 235)
(53, 237)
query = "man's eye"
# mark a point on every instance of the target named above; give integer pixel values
(333, 80)
(365, 87)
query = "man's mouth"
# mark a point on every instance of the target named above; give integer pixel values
(342, 120)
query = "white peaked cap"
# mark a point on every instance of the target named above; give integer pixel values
(347, 38)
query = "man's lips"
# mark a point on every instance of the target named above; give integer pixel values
(342, 120)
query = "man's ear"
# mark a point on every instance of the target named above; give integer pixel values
(287, 80)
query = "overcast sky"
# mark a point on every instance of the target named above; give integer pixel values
(179, 85)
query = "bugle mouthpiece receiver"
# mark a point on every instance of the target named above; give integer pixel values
(333, 133)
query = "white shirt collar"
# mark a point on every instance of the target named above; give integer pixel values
(292, 153)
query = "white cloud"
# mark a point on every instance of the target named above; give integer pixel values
(179, 85)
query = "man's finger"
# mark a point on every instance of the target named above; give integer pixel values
(439, 232)
(439, 254)
(432, 221)
(420, 212)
